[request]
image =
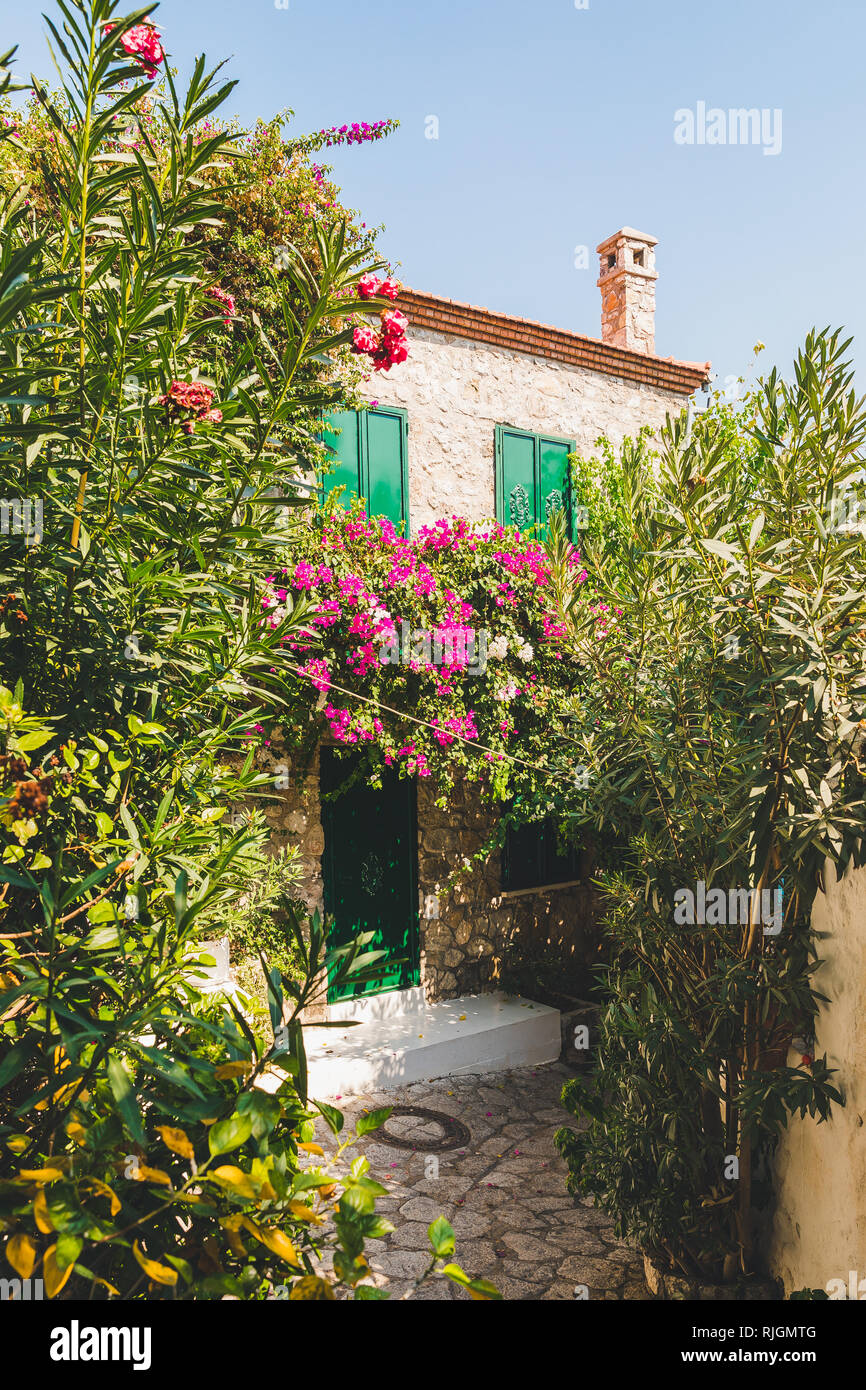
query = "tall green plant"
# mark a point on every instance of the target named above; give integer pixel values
(140, 1151)
(722, 726)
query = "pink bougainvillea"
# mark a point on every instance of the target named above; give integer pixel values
(358, 133)
(454, 627)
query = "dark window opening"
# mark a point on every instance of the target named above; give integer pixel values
(532, 856)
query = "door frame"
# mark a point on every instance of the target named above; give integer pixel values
(328, 873)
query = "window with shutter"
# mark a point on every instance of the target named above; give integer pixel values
(370, 459)
(532, 478)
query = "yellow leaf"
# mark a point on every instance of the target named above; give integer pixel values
(40, 1213)
(235, 1179)
(160, 1274)
(312, 1287)
(305, 1213)
(77, 1133)
(21, 1254)
(280, 1245)
(229, 1069)
(18, 1143)
(145, 1174)
(176, 1140)
(312, 1149)
(276, 1241)
(105, 1284)
(54, 1278)
(40, 1174)
(236, 1245)
(103, 1190)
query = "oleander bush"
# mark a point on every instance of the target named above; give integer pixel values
(153, 1141)
(722, 721)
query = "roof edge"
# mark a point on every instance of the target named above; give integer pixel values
(450, 316)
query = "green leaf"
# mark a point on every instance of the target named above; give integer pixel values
(333, 1118)
(229, 1134)
(124, 1094)
(441, 1236)
(366, 1123)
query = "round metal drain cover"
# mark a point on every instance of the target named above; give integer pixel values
(429, 1131)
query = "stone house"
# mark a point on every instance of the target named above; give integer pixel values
(478, 422)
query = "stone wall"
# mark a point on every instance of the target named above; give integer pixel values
(819, 1230)
(469, 928)
(456, 391)
(295, 818)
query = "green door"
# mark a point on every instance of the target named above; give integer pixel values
(370, 871)
(369, 459)
(532, 478)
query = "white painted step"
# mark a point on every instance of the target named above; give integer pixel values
(372, 1006)
(480, 1032)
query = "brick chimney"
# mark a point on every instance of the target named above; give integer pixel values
(627, 280)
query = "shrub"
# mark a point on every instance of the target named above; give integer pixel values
(721, 721)
(139, 1153)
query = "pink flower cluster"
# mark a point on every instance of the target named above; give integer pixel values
(356, 134)
(142, 42)
(226, 301)
(318, 673)
(369, 588)
(371, 287)
(189, 401)
(387, 347)
(461, 726)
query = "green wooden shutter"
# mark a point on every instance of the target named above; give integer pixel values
(516, 500)
(553, 481)
(532, 477)
(370, 459)
(346, 453)
(386, 464)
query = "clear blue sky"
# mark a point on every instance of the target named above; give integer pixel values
(556, 127)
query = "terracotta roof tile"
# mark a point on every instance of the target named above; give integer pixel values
(439, 315)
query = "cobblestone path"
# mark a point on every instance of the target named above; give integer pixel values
(502, 1189)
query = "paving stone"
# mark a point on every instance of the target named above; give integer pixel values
(598, 1274)
(518, 1218)
(424, 1209)
(518, 1288)
(411, 1236)
(400, 1264)
(561, 1292)
(526, 1247)
(470, 1223)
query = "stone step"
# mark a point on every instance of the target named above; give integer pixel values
(475, 1033)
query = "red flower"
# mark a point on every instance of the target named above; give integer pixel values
(226, 300)
(188, 401)
(394, 325)
(365, 340)
(389, 289)
(368, 287)
(142, 42)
